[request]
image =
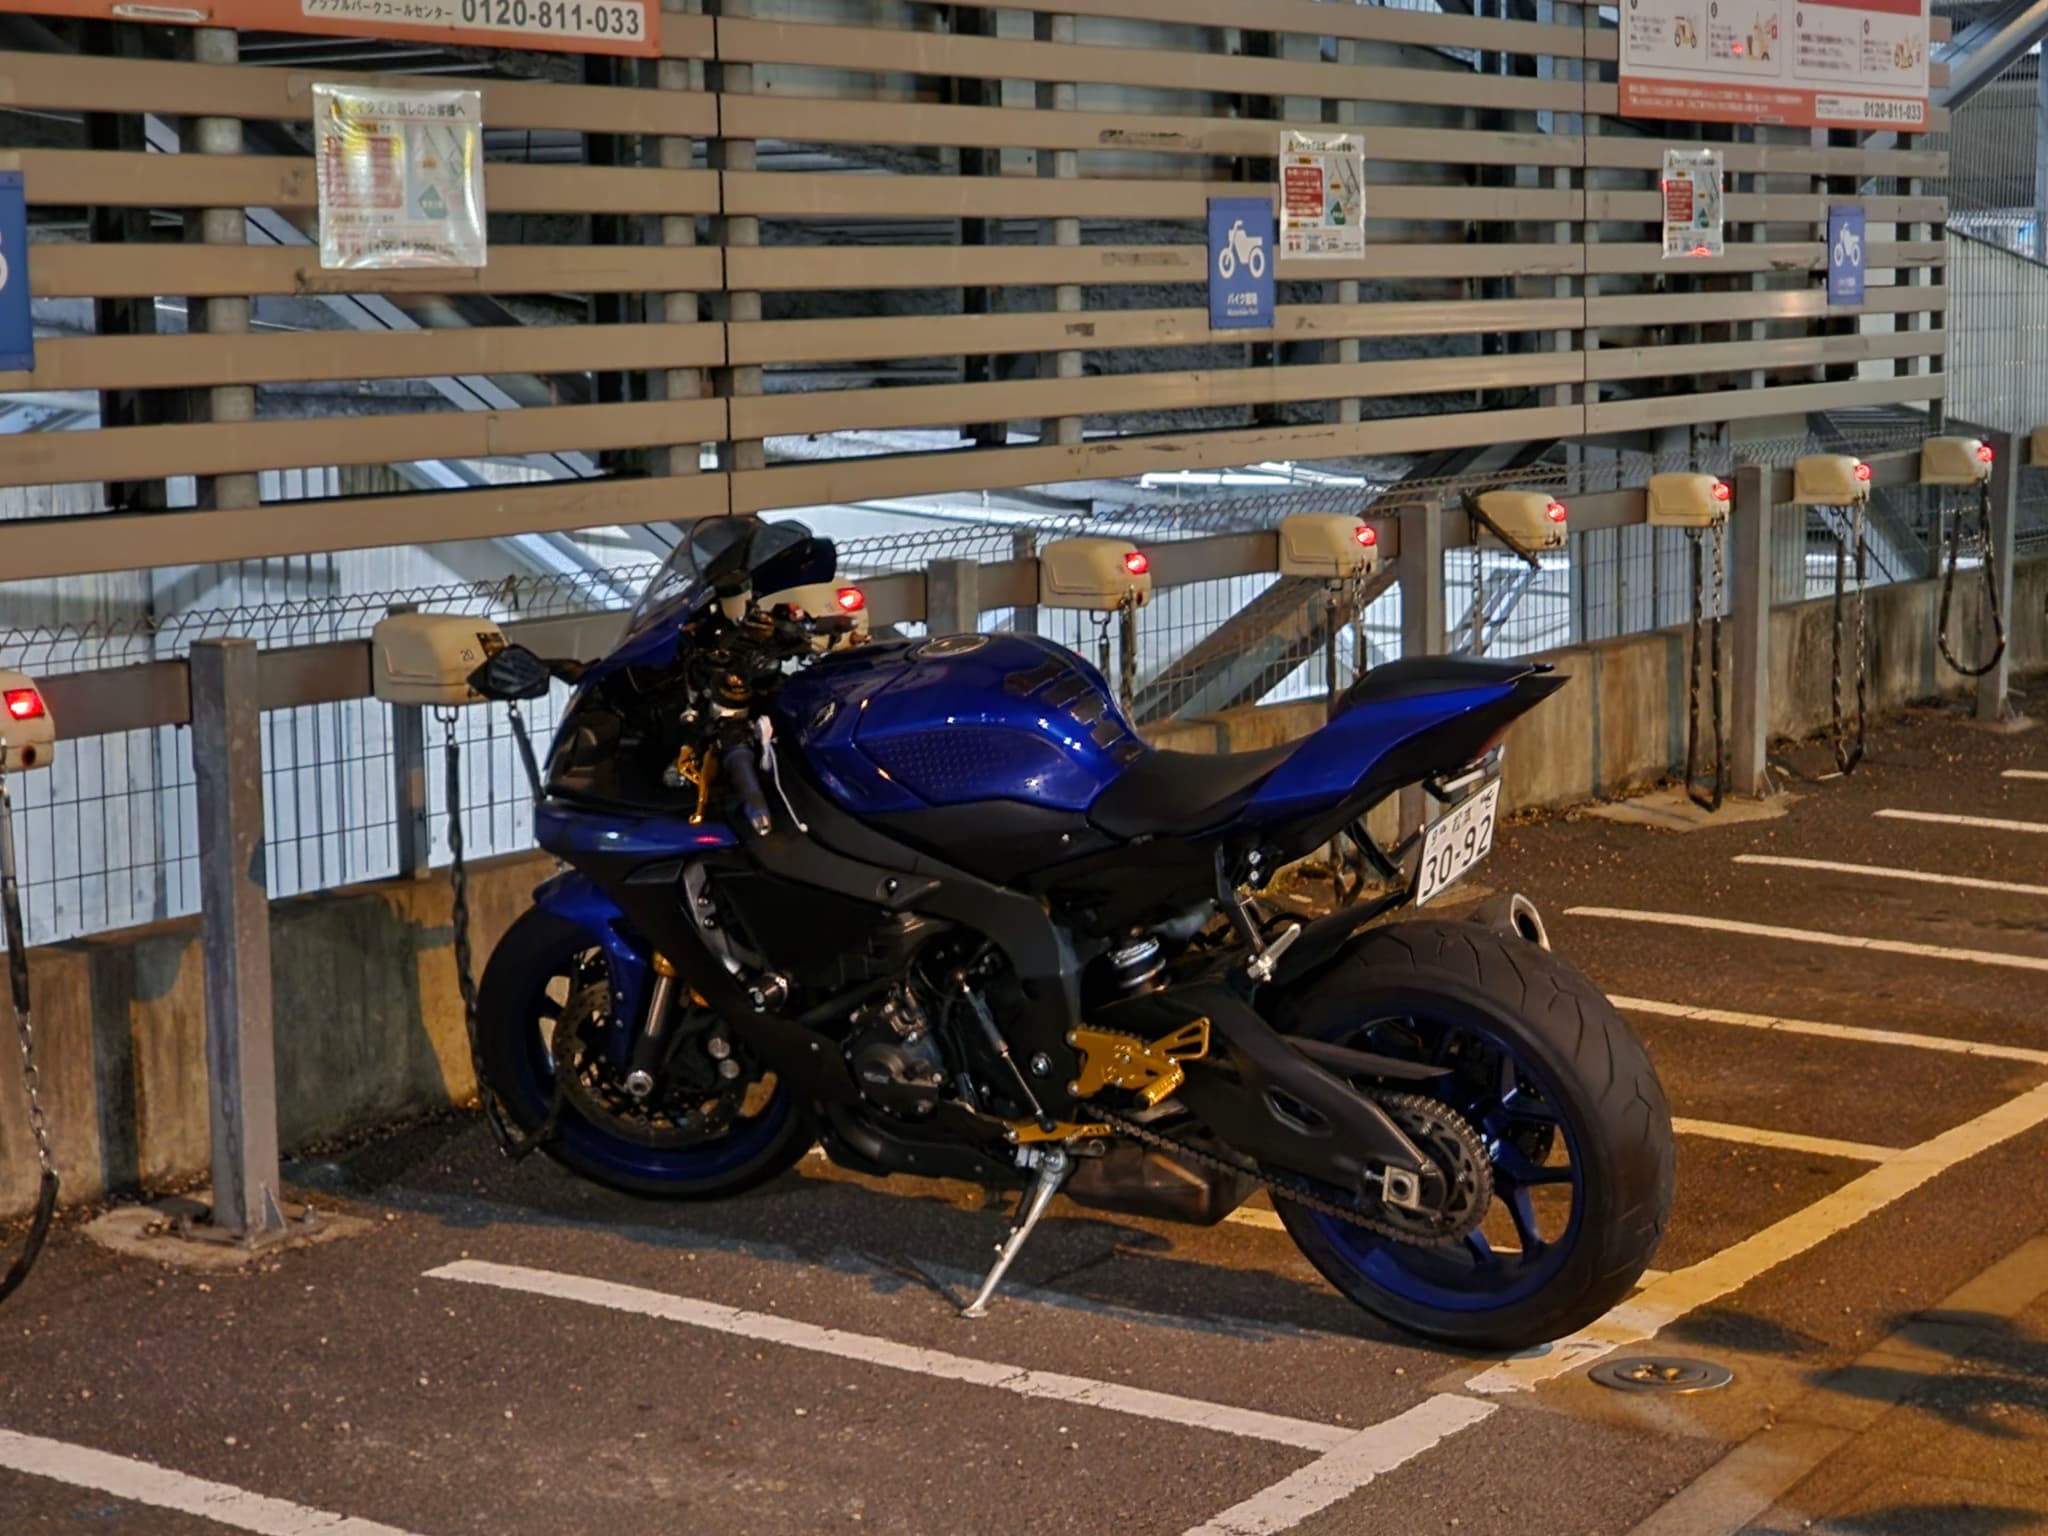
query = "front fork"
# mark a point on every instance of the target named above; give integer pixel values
(643, 1058)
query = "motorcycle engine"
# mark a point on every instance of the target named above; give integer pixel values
(895, 1059)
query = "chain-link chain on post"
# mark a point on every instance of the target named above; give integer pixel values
(24, 1025)
(1706, 636)
(1848, 752)
(1953, 518)
(510, 1142)
(1127, 644)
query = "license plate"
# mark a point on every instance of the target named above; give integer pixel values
(1455, 843)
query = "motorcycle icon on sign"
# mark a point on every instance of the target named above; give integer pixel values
(1244, 249)
(1848, 247)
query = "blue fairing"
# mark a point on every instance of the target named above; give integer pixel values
(965, 719)
(1328, 766)
(568, 831)
(576, 899)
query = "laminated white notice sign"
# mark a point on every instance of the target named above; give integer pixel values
(401, 177)
(1322, 196)
(1692, 204)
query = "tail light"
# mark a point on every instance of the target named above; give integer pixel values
(1555, 512)
(24, 704)
(1984, 453)
(851, 599)
(1721, 491)
(1137, 562)
(1365, 535)
(1862, 471)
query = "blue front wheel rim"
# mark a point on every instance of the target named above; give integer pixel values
(716, 1158)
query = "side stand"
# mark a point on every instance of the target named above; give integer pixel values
(1053, 1165)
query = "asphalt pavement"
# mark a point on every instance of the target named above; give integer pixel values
(1848, 1007)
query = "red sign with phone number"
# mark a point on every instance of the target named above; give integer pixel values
(571, 26)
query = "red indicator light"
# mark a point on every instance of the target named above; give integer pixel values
(24, 704)
(1137, 562)
(1555, 512)
(1984, 454)
(1862, 471)
(1365, 536)
(1721, 491)
(851, 599)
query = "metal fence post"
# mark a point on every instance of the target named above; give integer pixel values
(1749, 614)
(409, 782)
(1993, 702)
(952, 597)
(1421, 567)
(241, 1061)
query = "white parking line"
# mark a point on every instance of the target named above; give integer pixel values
(1885, 872)
(1849, 1032)
(1342, 1472)
(144, 1482)
(769, 1328)
(1991, 957)
(1659, 1306)
(1986, 823)
(1785, 1141)
(2024, 773)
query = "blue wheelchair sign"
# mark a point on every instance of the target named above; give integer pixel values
(1845, 255)
(1240, 263)
(17, 330)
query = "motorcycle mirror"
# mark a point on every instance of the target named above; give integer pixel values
(513, 673)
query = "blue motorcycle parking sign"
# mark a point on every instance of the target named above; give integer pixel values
(1240, 263)
(1845, 255)
(17, 329)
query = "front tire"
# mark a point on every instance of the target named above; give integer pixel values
(526, 987)
(1561, 1091)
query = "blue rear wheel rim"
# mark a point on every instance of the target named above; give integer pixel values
(1535, 1222)
(714, 1159)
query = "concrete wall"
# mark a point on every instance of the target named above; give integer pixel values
(369, 1028)
(368, 1020)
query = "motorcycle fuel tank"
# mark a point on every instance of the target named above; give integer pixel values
(957, 720)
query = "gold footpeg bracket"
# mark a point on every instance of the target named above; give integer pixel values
(1150, 1070)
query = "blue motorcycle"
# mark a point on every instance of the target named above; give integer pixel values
(934, 904)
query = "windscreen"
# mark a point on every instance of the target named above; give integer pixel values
(720, 556)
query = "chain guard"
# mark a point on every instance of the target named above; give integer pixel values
(1443, 1133)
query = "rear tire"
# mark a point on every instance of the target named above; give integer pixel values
(513, 1003)
(1575, 1059)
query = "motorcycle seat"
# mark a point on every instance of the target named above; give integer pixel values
(1181, 793)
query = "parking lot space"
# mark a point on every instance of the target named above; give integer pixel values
(512, 1351)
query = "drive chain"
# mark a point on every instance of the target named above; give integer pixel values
(1408, 1108)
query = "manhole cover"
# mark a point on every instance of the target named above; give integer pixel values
(1658, 1373)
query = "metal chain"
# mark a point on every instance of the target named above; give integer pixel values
(17, 971)
(1358, 1212)
(510, 1142)
(1948, 585)
(24, 1025)
(1849, 753)
(1127, 645)
(1706, 635)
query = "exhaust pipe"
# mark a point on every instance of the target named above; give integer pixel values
(1515, 916)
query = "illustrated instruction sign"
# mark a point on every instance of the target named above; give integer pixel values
(401, 177)
(1845, 64)
(1845, 254)
(17, 328)
(1692, 184)
(1240, 263)
(1322, 196)
(571, 26)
